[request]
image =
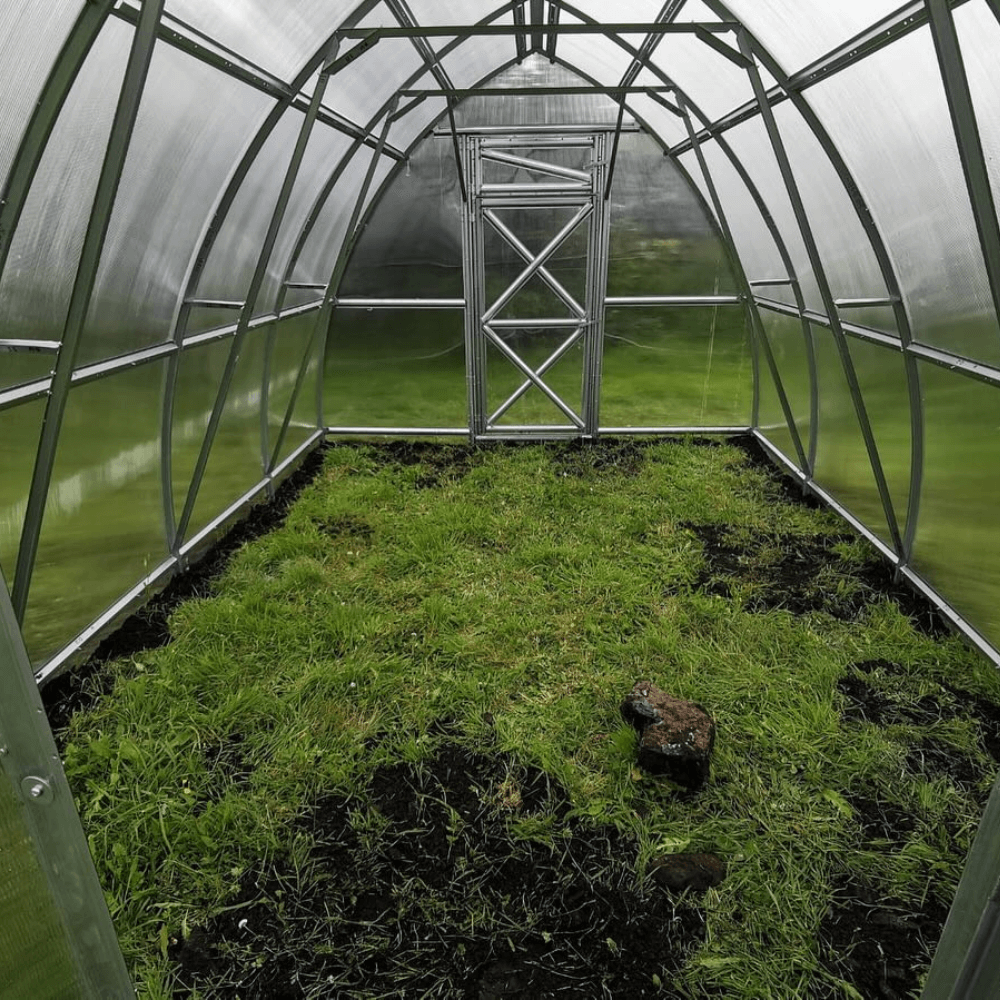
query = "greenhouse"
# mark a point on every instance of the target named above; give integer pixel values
(390, 388)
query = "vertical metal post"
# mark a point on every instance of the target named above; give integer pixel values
(520, 41)
(473, 277)
(30, 761)
(553, 39)
(324, 321)
(597, 281)
(756, 323)
(136, 71)
(970, 145)
(966, 964)
(458, 153)
(812, 250)
(537, 24)
(246, 314)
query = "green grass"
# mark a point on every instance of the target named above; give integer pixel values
(536, 588)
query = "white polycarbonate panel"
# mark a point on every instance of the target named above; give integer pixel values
(366, 85)
(979, 34)
(622, 11)
(45, 249)
(799, 31)
(849, 261)
(478, 58)
(439, 12)
(320, 251)
(31, 34)
(412, 243)
(710, 80)
(902, 152)
(752, 146)
(754, 245)
(407, 130)
(234, 255)
(325, 150)
(183, 149)
(278, 36)
(656, 119)
(598, 56)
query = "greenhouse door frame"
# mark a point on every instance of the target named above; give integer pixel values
(586, 191)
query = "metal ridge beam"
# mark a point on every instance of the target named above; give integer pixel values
(614, 28)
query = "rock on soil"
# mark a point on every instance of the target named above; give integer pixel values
(676, 738)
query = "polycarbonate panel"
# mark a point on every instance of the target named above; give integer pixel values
(19, 430)
(849, 261)
(754, 244)
(478, 57)
(842, 463)
(396, 368)
(523, 109)
(799, 31)
(676, 368)
(34, 956)
(103, 526)
(711, 81)
(45, 248)
(305, 416)
(751, 144)
(446, 12)
(319, 254)
(278, 37)
(359, 90)
(293, 336)
(979, 35)
(662, 243)
(19, 367)
(903, 154)
(408, 130)
(412, 243)
(234, 465)
(601, 57)
(31, 35)
(958, 540)
(789, 348)
(231, 263)
(656, 119)
(325, 150)
(182, 151)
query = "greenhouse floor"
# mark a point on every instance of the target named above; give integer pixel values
(377, 752)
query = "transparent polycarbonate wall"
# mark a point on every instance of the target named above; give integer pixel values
(230, 228)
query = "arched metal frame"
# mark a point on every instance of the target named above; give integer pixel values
(936, 13)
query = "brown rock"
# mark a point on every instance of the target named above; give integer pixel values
(678, 872)
(677, 735)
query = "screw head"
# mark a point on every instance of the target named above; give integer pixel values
(37, 790)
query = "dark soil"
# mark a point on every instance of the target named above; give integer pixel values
(878, 945)
(418, 888)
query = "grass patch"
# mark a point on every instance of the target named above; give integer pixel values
(393, 709)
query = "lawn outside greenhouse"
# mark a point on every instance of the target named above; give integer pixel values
(498, 500)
